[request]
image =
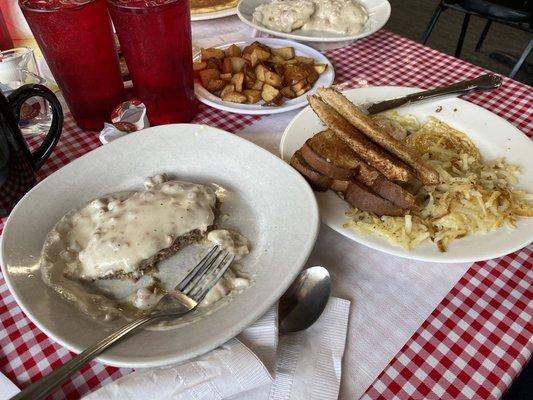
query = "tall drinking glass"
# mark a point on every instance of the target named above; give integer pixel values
(155, 38)
(76, 39)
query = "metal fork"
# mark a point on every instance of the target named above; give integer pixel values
(186, 296)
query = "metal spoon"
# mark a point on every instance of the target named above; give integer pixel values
(481, 83)
(305, 300)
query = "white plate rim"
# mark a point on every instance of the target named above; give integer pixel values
(317, 39)
(325, 79)
(381, 244)
(126, 362)
(214, 14)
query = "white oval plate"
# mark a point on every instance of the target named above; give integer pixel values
(274, 208)
(378, 13)
(326, 79)
(214, 15)
(494, 137)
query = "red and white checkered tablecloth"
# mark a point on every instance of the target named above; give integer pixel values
(473, 344)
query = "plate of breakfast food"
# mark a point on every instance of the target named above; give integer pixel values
(444, 181)
(101, 240)
(317, 21)
(264, 76)
(202, 10)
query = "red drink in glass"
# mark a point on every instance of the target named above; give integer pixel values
(76, 39)
(155, 38)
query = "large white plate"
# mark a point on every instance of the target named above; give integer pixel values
(494, 137)
(326, 79)
(378, 12)
(274, 209)
(214, 15)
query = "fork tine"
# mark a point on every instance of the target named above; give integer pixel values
(196, 271)
(202, 272)
(200, 291)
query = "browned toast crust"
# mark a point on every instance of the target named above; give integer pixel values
(384, 162)
(368, 127)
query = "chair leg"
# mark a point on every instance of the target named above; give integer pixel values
(522, 58)
(483, 35)
(466, 20)
(425, 36)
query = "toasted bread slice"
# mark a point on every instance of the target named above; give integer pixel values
(384, 162)
(358, 196)
(330, 156)
(318, 181)
(368, 127)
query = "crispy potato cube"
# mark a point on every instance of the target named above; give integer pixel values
(279, 69)
(238, 80)
(215, 85)
(312, 76)
(292, 61)
(253, 96)
(269, 92)
(288, 92)
(233, 51)
(305, 60)
(255, 45)
(285, 52)
(273, 79)
(303, 90)
(258, 85)
(275, 59)
(207, 75)
(320, 68)
(235, 97)
(249, 81)
(226, 66)
(260, 72)
(213, 63)
(294, 73)
(227, 89)
(258, 55)
(276, 101)
(226, 77)
(199, 65)
(211, 53)
(299, 86)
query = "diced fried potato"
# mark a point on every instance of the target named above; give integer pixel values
(273, 79)
(253, 96)
(227, 89)
(294, 73)
(238, 80)
(215, 85)
(255, 45)
(207, 75)
(199, 65)
(285, 52)
(275, 59)
(235, 97)
(213, 63)
(226, 66)
(226, 77)
(305, 60)
(279, 69)
(258, 55)
(211, 53)
(303, 90)
(288, 92)
(260, 72)
(320, 68)
(258, 85)
(299, 86)
(249, 80)
(269, 92)
(237, 64)
(276, 101)
(312, 76)
(233, 51)
(292, 61)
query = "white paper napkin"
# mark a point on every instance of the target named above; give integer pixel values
(254, 366)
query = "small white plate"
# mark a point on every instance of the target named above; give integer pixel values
(273, 207)
(326, 79)
(378, 13)
(214, 15)
(494, 137)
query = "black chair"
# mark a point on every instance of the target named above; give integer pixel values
(514, 13)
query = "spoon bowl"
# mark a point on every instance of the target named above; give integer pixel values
(305, 300)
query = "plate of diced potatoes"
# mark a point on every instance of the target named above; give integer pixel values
(259, 76)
